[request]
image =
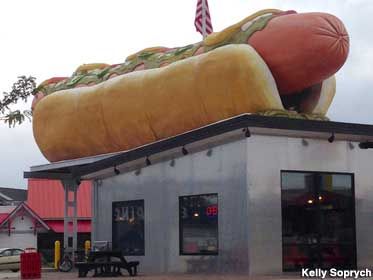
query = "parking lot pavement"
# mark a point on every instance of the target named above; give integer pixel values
(74, 275)
(9, 275)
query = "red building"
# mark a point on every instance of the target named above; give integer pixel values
(20, 226)
(46, 198)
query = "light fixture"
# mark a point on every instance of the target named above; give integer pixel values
(247, 132)
(320, 197)
(304, 142)
(366, 145)
(147, 161)
(351, 146)
(331, 138)
(310, 201)
(116, 170)
(172, 163)
(196, 215)
(185, 151)
(138, 172)
(209, 153)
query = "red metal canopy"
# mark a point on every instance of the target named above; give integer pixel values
(3, 217)
(57, 226)
(46, 198)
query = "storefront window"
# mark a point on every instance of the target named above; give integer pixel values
(318, 227)
(199, 224)
(128, 227)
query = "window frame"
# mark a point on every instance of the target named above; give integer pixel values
(352, 175)
(181, 253)
(113, 223)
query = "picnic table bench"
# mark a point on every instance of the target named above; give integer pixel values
(106, 264)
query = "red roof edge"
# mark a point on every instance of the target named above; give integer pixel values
(3, 216)
(29, 210)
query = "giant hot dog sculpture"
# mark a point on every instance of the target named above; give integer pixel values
(272, 63)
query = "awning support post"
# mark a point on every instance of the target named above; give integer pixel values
(70, 237)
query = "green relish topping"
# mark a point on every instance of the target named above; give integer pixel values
(151, 59)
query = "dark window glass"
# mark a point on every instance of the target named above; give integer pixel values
(6, 253)
(199, 224)
(318, 226)
(128, 227)
(17, 252)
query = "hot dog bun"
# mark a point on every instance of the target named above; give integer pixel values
(141, 107)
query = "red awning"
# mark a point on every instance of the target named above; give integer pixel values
(3, 217)
(57, 226)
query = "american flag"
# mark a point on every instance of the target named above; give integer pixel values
(202, 21)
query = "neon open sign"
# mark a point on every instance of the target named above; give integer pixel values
(212, 210)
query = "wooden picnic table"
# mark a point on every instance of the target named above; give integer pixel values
(106, 264)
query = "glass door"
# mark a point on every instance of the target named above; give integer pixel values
(318, 225)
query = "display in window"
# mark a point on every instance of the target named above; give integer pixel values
(318, 220)
(199, 224)
(128, 227)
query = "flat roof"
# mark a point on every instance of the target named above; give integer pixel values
(257, 124)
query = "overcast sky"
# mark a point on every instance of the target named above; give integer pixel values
(52, 38)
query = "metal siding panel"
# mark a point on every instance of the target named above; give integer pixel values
(361, 164)
(267, 156)
(257, 193)
(18, 240)
(160, 185)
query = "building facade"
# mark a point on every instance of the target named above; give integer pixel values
(250, 195)
(260, 183)
(20, 227)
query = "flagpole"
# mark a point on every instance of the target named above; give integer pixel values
(204, 33)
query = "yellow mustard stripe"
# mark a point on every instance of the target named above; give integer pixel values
(218, 37)
(91, 66)
(151, 49)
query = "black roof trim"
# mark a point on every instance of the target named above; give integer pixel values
(14, 194)
(239, 122)
(49, 174)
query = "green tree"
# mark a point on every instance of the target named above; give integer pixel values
(22, 89)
